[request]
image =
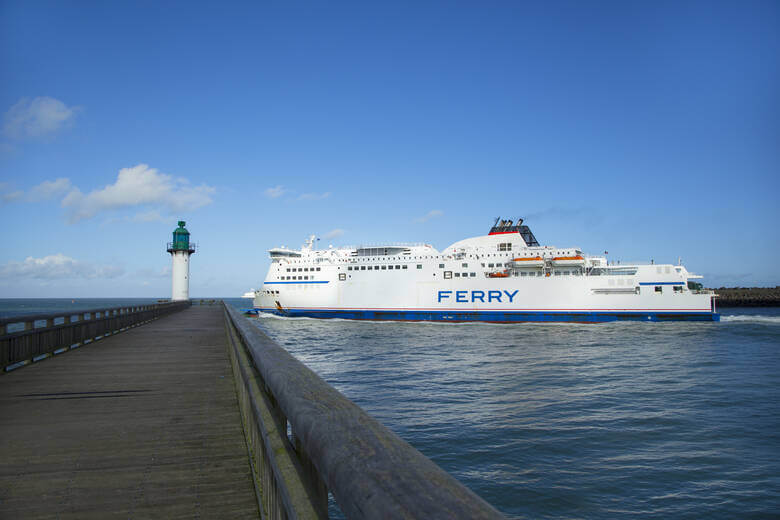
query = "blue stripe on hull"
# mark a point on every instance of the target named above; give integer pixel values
(496, 317)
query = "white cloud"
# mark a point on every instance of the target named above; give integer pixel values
(334, 233)
(43, 191)
(275, 192)
(434, 213)
(36, 117)
(314, 196)
(148, 272)
(147, 216)
(138, 186)
(11, 196)
(49, 189)
(57, 266)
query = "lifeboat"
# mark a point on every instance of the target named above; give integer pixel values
(530, 261)
(568, 261)
(499, 274)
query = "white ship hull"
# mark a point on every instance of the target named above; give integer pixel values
(420, 283)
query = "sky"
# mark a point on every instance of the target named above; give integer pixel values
(650, 130)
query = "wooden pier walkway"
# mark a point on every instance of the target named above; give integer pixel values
(140, 424)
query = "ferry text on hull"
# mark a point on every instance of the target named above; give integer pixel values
(504, 276)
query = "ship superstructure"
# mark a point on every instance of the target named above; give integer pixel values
(504, 276)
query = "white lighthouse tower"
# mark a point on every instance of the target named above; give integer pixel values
(180, 250)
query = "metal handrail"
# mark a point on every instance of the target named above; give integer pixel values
(31, 343)
(337, 447)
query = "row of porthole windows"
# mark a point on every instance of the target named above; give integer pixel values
(296, 269)
(378, 267)
(296, 277)
(270, 292)
(449, 274)
(441, 266)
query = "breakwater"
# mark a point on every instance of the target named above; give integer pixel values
(748, 296)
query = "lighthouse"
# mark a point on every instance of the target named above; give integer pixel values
(180, 250)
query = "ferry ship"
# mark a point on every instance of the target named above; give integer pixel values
(504, 276)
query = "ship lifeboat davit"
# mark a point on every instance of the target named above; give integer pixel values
(530, 261)
(568, 261)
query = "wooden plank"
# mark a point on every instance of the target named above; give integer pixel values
(140, 424)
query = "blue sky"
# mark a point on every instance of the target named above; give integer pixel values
(649, 130)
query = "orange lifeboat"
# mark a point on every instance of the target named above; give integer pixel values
(568, 261)
(499, 274)
(530, 261)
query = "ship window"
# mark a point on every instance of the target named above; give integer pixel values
(483, 265)
(659, 289)
(472, 274)
(403, 267)
(305, 277)
(490, 265)
(318, 269)
(557, 273)
(523, 274)
(398, 267)
(385, 267)
(376, 267)
(441, 266)
(419, 266)
(465, 275)
(349, 268)
(447, 275)
(566, 273)
(288, 269)
(464, 265)
(342, 276)
(677, 288)
(457, 275)
(362, 268)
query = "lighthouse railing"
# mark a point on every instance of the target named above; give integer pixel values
(308, 442)
(35, 337)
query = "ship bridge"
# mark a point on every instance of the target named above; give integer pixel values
(501, 227)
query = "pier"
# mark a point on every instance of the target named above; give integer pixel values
(191, 411)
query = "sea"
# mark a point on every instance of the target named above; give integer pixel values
(546, 420)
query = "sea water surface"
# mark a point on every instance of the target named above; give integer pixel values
(613, 420)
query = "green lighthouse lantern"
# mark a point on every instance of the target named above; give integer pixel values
(181, 239)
